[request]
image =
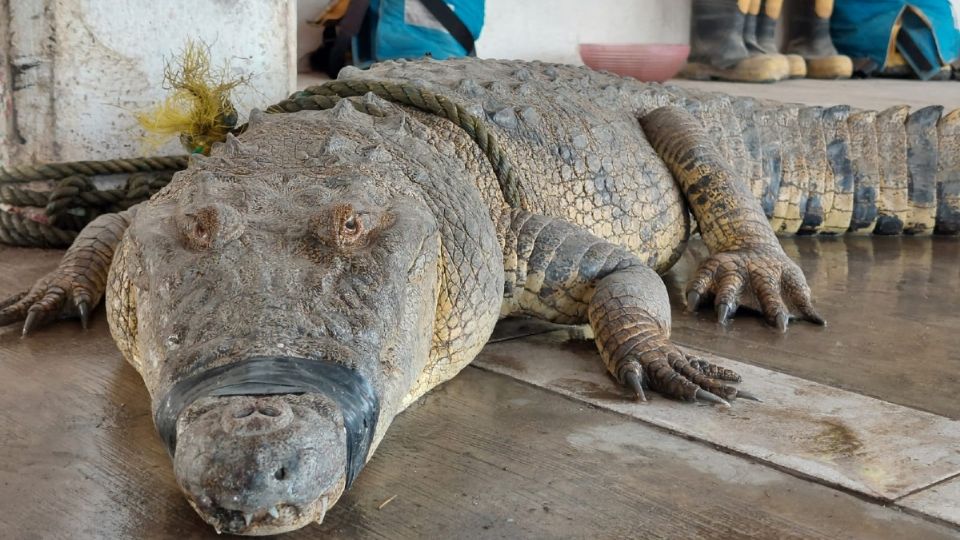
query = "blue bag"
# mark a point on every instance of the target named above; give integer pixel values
(416, 28)
(922, 31)
(375, 30)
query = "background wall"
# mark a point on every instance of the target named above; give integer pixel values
(73, 72)
(550, 30)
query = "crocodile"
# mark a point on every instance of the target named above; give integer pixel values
(285, 297)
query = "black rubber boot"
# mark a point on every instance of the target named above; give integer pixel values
(750, 28)
(717, 48)
(810, 38)
(764, 36)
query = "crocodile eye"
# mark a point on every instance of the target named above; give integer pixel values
(201, 232)
(350, 226)
(208, 226)
(199, 228)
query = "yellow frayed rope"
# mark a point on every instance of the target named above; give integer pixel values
(198, 109)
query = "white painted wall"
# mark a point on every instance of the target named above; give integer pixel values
(550, 30)
(81, 68)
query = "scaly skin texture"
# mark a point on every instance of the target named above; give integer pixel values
(389, 231)
(948, 174)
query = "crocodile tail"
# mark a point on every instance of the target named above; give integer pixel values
(835, 170)
(948, 174)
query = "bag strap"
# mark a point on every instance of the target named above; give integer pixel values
(442, 12)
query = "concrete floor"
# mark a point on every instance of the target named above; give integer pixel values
(874, 94)
(857, 438)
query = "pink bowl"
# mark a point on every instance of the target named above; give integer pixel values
(650, 62)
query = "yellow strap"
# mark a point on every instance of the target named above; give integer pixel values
(334, 12)
(823, 8)
(894, 58)
(744, 6)
(773, 8)
(754, 7)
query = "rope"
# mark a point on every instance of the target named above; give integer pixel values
(325, 96)
(56, 171)
(69, 206)
(21, 197)
(16, 230)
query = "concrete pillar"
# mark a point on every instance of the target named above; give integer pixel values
(73, 72)
(6, 88)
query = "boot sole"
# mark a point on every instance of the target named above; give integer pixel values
(756, 69)
(798, 67)
(830, 67)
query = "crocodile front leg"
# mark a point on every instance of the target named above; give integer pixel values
(747, 266)
(77, 284)
(562, 273)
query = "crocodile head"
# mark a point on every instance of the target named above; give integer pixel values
(303, 241)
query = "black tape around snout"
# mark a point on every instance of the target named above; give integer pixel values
(266, 376)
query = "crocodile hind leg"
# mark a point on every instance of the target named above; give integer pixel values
(557, 271)
(77, 284)
(747, 266)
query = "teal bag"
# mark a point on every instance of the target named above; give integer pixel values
(376, 30)
(926, 35)
(415, 28)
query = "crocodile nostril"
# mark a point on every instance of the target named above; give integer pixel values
(281, 473)
(268, 410)
(244, 412)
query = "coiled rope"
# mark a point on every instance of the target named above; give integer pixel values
(72, 203)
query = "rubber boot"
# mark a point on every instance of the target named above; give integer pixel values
(717, 49)
(810, 38)
(765, 39)
(750, 38)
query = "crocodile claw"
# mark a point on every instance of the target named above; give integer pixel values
(710, 397)
(723, 313)
(782, 321)
(84, 308)
(743, 394)
(31, 322)
(814, 317)
(693, 301)
(635, 382)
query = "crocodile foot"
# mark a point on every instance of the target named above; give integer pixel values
(669, 371)
(64, 293)
(762, 278)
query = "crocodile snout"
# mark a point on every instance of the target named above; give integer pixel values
(261, 464)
